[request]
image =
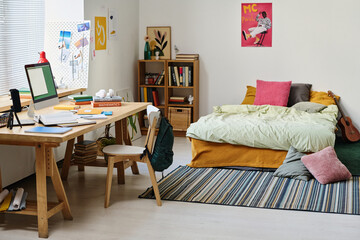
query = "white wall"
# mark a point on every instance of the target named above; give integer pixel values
(313, 42)
(115, 67)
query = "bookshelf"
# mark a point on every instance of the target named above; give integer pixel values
(151, 69)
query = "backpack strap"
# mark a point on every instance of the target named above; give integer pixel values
(146, 152)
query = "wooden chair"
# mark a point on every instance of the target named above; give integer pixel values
(117, 153)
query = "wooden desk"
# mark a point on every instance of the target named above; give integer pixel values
(45, 162)
(6, 102)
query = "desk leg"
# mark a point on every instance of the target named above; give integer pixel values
(59, 188)
(41, 191)
(127, 141)
(67, 159)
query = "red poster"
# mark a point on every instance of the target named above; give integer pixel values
(256, 24)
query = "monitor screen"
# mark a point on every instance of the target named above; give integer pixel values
(42, 85)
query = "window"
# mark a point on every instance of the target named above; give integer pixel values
(22, 25)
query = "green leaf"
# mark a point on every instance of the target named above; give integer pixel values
(157, 41)
(165, 44)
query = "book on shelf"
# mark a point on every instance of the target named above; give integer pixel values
(149, 95)
(108, 99)
(186, 76)
(177, 100)
(177, 75)
(181, 76)
(141, 94)
(170, 77)
(173, 83)
(145, 94)
(190, 76)
(159, 78)
(155, 95)
(159, 82)
(106, 104)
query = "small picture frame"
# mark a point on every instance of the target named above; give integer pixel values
(160, 40)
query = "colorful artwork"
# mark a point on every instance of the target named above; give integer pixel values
(100, 33)
(256, 24)
(160, 41)
(83, 26)
(64, 45)
(113, 23)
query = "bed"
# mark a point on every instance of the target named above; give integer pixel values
(258, 135)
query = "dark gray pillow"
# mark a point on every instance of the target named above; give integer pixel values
(309, 107)
(292, 166)
(299, 92)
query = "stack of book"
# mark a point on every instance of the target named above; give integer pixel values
(177, 100)
(193, 56)
(25, 93)
(81, 99)
(148, 94)
(155, 78)
(114, 101)
(85, 152)
(180, 76)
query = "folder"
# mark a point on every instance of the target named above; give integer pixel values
(50, 130)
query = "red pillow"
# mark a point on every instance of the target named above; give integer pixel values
(272, 93)
(325, 166)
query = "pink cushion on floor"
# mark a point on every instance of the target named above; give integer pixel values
(325, 166)
(272, 93)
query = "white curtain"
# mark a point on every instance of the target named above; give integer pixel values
(22, 24)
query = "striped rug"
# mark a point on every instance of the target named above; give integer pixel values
(257, 189)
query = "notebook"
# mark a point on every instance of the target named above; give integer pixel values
(51, 130)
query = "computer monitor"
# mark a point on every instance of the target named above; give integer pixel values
(42, 85)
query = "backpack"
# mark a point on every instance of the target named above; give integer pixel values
(162, 155)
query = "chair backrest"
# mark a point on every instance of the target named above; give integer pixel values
(153, 114)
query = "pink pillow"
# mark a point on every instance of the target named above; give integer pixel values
(325, 166)
(272, 93)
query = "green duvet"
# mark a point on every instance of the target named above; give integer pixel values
(267, 126)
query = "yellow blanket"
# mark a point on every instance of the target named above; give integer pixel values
(210, 154)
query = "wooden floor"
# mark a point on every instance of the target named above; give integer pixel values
(129, 217)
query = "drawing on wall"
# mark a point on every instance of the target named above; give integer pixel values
(70, 58)
(132, 121)
(100, 33)
(113, 24)
(64, 46)
(256, 24)
(160, 41)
